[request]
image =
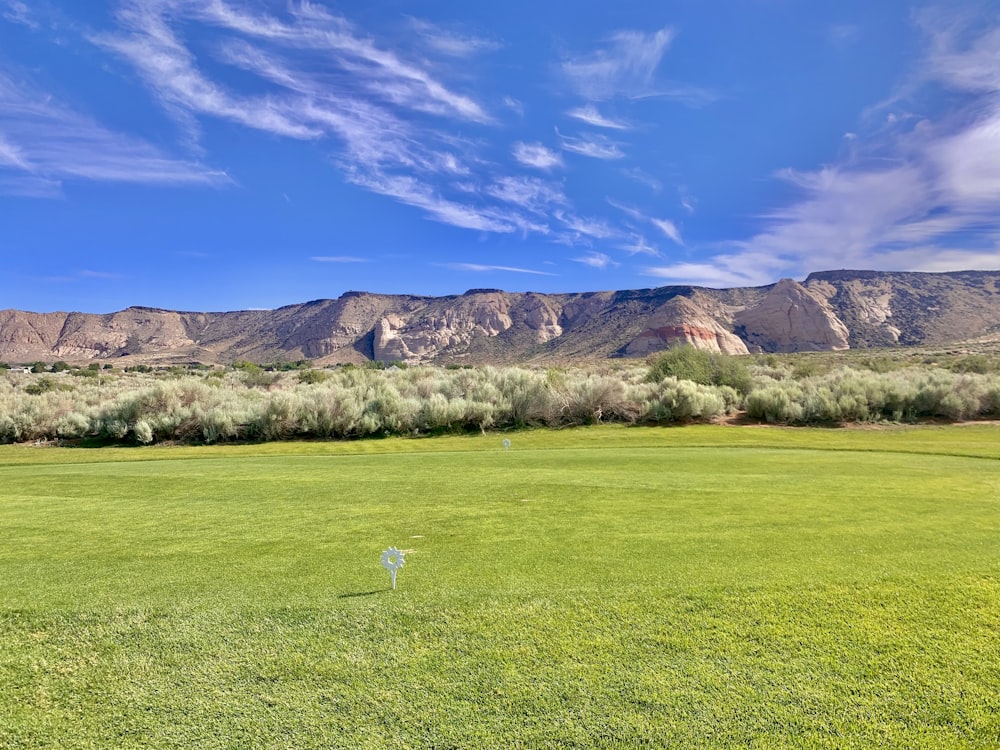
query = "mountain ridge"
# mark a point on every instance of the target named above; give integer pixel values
(827, 311)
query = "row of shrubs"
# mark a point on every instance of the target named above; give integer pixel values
(358, 402)
(348, 403)
(847, 395)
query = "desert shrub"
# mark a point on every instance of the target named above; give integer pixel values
(331, 411)
(976, 363)
(73, 425)
(780, 402)
(312, 376)
(881, 363)
(589, 399)
(527, 398)
(683, 363)
(439, 413)
(42, 385)
(143, 432)
(260, 378)
(280, 417)
(807, 367)
(673, 400)
(706, 368)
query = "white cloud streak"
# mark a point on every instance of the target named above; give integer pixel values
(536, 155)
(593, 146)
(717, 275)
(413, 192)
(580, 227)
(481, 268)
(43, 143)
(18, 12)
(528, 193)
(643, 178)
(669, 229)
(624, 67)
(592, 116)
(638, 245)
(339, 259)
(597, 260)
(452, 43)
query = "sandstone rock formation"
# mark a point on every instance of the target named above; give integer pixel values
(681, 321)
(793, 318)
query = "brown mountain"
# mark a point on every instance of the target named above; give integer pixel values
(831, 310)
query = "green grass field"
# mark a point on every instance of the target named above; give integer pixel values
(602, 587)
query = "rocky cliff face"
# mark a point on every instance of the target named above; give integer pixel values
(683, 321)
(828, 311)
(793, 318)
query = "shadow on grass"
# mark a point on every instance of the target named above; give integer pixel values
(361, 593)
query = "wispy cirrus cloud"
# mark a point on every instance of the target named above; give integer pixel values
(481, 268)
(451, 42)
(625, 66)
(536, 155)
(639, 175)
(587, 228)
(416, 193)
(529, 193)
(594, 146)
(597, 260)
(44, 142)
(667, 227)
(18, 12)
(717, 274)
(639, 245)
(322, 79)
(391, 119)
(592, 116)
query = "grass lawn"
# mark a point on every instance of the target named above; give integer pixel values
(602, 587)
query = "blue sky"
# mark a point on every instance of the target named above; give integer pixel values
(234, 154)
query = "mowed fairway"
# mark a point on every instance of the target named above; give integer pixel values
(606, 587)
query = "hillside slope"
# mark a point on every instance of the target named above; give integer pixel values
(831, 310)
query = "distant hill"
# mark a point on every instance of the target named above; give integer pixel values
(831, 310)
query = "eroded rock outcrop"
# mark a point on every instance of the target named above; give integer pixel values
(792, 318)
(682, 321)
